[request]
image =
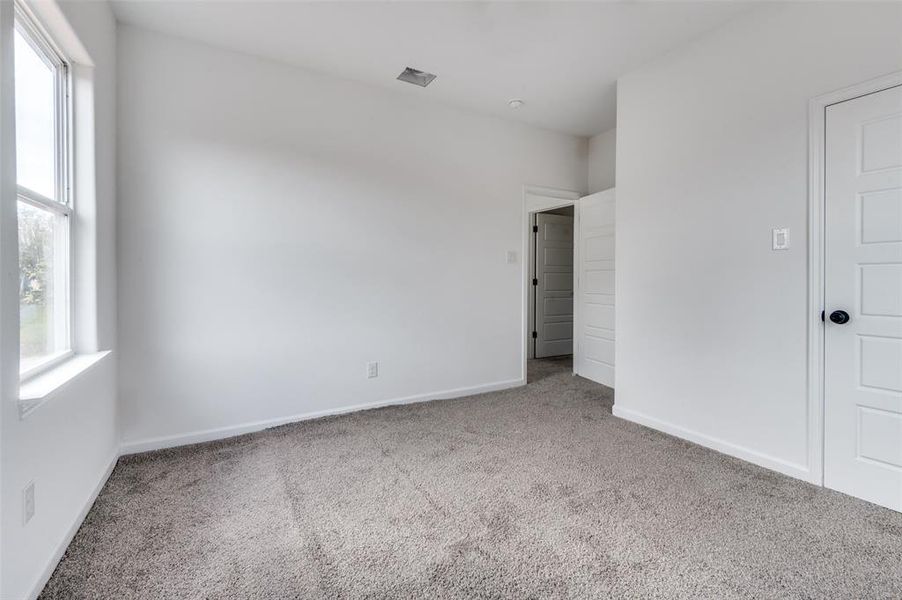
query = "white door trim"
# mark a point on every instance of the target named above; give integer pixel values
(535, 199)
(816, 170)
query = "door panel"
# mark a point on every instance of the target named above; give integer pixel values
(594, 357)
(863, 276)
(554, 285)
(881, 217)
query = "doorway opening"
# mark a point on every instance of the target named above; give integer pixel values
(568, 281)
(552, 210)
(550, 275)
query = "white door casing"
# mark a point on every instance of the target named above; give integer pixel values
(594, 353)
(535, 199)
(863, 277)
(553, 284)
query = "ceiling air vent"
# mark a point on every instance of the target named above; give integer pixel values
(420, 78)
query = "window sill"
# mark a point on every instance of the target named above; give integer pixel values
(38, 389)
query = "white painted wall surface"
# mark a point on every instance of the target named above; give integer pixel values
(602, 161)
(66, 445)
(712, 154)
(9, 295)
(279, 228)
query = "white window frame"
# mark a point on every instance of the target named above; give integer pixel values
(61, 205)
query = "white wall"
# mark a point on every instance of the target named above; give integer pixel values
(278, 229)
(602, 161)
(9, 318)
(711, 155)
(66, 445)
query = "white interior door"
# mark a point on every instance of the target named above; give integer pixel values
(553, 284)
(863, 279)
(594, 357)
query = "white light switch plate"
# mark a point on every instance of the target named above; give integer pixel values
(511, 257)
(372, 370)
(780, 238)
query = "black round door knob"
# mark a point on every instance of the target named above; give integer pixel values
(840, 317)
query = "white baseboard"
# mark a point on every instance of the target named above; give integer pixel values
(747, 454)
(54, 559)
(208, 435)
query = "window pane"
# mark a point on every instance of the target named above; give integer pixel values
(35, 121)
(42, 293)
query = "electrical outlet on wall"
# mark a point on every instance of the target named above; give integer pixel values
(28, 503)
(372, 370)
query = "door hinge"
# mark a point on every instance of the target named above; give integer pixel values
(535, 334)
(535, 229)
(535, 281)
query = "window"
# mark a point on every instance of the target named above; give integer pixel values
(44, 209)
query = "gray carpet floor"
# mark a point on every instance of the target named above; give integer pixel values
(537, 492)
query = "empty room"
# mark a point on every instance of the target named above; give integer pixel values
(499, 300)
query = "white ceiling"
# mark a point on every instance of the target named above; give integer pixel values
(561, 58)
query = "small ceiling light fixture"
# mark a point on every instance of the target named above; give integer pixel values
(416, 77)
(515, 103)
